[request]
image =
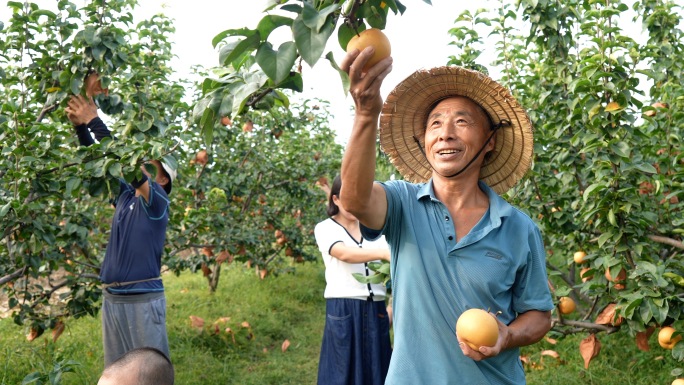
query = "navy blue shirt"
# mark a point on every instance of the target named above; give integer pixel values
(138, 233)
(136, 242)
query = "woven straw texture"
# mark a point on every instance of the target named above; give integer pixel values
(404, 115)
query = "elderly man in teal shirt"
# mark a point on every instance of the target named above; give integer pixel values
(459, 139)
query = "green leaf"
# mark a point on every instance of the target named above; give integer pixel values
(611, 217)
(231, 32)
(604, 238)
(270, 22)
(621, 149)
(310, 43)
(678, 352)
(115, 170)
(5, 209)
(345, 33)
(277, 65)
(293, 82)
(343, 75)
(72, 184)
(589, 190)
(231, 52)
(646, 167)
(316, 20)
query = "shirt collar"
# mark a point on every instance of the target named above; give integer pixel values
(498, 207)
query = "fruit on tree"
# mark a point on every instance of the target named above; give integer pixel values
(619, 280)
(281, 239)
(202, 157)
(579, 257)
(248, 126)
(371, 37)
(566, 305)
(583, 274)
(226, 121)
(477, 327)
(656, 105)
(665, 337)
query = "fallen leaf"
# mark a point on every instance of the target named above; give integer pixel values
(525, 360)
(285, 345)
(245, 324)
(642, 339)
(215, 329)
(590, 347)
(196, 322)
(550, 340)
(57, 330)
(550, 353)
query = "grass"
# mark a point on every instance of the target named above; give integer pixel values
(286, 307)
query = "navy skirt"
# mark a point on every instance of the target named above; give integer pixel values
(356, 347)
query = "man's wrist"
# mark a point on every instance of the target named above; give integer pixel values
(93, 121)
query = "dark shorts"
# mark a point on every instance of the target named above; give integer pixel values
(356, 343)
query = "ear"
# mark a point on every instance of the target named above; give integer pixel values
(336, 200)
(491, 145)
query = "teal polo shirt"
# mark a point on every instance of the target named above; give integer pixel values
(498, 266)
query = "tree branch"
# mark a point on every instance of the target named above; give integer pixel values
(586, 325)
(10, 277)
(667, 241)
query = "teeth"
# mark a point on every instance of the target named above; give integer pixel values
(448, 152)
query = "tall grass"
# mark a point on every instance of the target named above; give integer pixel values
(287, 307)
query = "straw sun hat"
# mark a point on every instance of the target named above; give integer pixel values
(404, 116)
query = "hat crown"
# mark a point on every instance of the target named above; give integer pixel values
(170, 171)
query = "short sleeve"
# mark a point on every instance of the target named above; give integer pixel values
(531, 291)
(326, 236)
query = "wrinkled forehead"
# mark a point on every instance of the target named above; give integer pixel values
(457, 104)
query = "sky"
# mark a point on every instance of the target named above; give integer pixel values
(419, 39)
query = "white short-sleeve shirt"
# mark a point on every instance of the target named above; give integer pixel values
(340, 283)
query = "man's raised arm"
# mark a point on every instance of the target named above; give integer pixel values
(359, 194)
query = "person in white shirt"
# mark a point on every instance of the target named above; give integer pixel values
(356, 346)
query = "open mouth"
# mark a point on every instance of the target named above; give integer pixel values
(448, 152)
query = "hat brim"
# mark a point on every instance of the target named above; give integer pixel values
(404, 116)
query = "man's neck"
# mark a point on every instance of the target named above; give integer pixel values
(459, 192)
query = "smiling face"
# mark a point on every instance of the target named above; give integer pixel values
(456, 130)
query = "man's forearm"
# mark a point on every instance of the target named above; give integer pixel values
(83, 135)
(358, 165)
(528, 328)
(97, 127)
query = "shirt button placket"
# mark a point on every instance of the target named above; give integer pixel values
(448, 227)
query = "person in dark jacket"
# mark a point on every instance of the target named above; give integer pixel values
(134, 304)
